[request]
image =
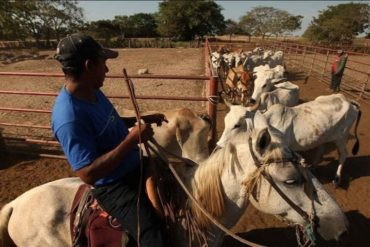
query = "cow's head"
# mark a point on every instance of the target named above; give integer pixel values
(239, 118)
(263, 82)
(192, 134)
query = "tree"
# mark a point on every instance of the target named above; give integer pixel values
(62, 16)
(185, 20)
(266, 21)
(339, 23)
(104, 29)
(143, 25)
(40, 19)
(232, 28)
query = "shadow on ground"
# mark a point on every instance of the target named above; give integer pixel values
(286, 236)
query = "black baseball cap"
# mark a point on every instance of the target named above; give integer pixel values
(73, 50)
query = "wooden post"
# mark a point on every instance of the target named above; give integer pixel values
(364, 87)
(326, 62)
(313, 61)
(212, 110)
(304, 55)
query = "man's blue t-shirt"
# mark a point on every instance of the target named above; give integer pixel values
(88, 130)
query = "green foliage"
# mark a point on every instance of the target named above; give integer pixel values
(232, 27)
(339, 23)
(137, 25)
(184, 20)
(38, 19)
(103, 29)
(266, 21)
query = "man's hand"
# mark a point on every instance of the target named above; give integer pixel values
(157, 118)
(145, 131)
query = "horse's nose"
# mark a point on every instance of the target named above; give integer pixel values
(344, 237)
(252, 101)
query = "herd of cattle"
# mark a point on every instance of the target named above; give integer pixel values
(250, 75)
(259, 94)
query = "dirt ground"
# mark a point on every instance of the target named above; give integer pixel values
(19, 173)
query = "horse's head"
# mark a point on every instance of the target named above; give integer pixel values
(282, 185)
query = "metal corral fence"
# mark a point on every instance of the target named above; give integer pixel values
(41, 142)
(316, 62)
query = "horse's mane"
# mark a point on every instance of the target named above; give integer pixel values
(207, 186)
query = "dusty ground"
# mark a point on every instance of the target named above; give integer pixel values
(20, 173)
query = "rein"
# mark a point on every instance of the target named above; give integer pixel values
(311, 229)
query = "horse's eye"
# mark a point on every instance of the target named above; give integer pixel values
(237, 126)
(291, 182)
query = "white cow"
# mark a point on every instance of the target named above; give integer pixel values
(251, 61)
(303, 127)
(275, 59)
(265, 78)
(216, 59)
(285, 93)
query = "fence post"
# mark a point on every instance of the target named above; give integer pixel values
(296, 52)
(326, 62)
(212, 91)
(364, 87)
(313, 61)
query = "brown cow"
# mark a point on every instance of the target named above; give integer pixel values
(239, 83)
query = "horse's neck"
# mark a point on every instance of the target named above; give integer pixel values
(233, 174)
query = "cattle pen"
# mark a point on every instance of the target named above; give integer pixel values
(310, 61)
(25, 125)
(19, 173)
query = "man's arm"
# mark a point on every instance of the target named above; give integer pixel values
(106, 163)
(341, 65)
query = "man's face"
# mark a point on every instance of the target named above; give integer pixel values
(98, 73)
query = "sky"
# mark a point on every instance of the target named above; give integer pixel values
(98, 10)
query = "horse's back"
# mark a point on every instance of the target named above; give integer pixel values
(40, 216)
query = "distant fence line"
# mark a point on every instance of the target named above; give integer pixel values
(114, 43)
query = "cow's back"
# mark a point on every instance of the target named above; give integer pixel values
(326, 119)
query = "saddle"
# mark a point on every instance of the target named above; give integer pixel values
(91, 226)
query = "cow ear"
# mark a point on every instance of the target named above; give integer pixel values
(182, 133)
(263, 141)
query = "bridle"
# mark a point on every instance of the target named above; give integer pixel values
(311, 219)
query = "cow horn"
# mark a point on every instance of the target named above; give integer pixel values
(255, 106)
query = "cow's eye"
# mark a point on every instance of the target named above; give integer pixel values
(264, 86)
(237, 126)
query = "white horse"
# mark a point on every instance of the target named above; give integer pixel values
(250, 167)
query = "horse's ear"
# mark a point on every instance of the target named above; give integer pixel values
(263, 141)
